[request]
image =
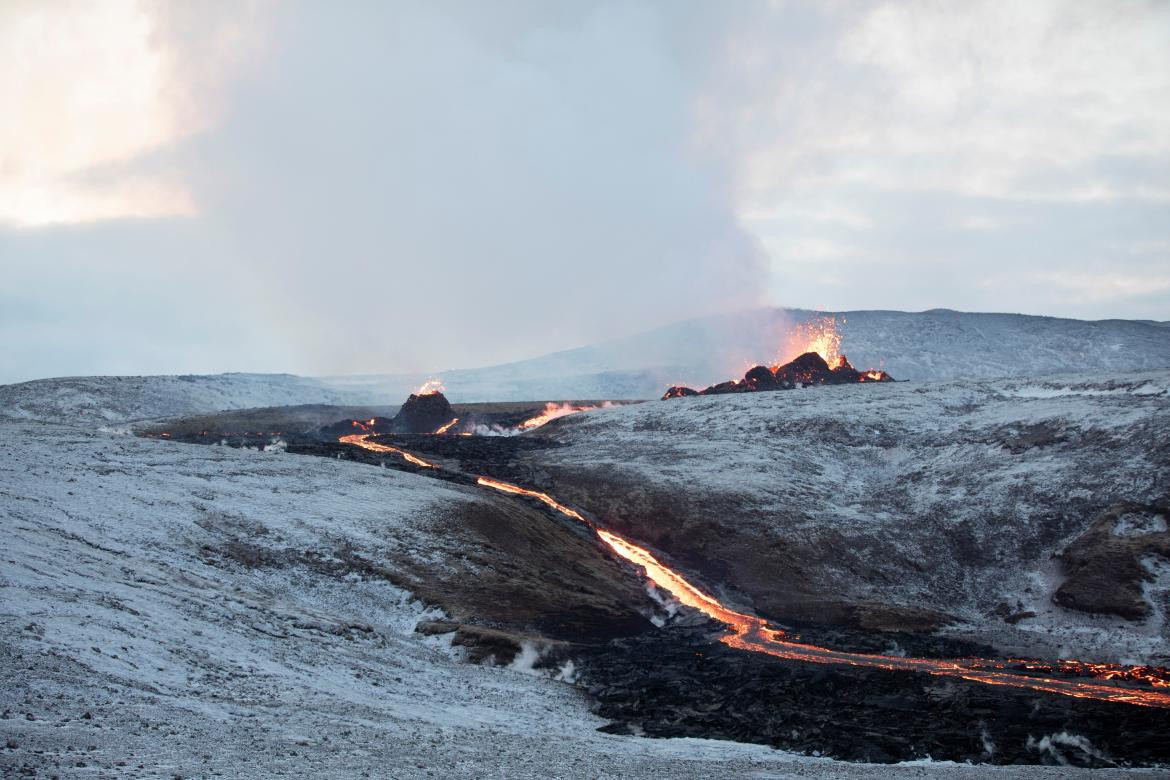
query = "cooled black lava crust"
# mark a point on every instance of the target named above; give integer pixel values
(677, 682)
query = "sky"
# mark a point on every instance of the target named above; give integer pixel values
(381, 187)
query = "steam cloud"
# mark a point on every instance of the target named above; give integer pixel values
(399, 187)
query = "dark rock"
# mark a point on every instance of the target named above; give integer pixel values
(724, 388)
(761, 378)
(369, 425)
(678, 682)
(807, 369)
(1103, 570)
(843, 371)
(423, 414)
(678, 391)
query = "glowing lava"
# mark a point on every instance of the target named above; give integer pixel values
(553, 411)
(444, 428)
(363, 440)
(818, 335)
(430, 387)
(751, 633)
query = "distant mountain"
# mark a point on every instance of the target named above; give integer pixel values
(90, 400)
(921, 346)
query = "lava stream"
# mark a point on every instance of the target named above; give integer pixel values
(444, 428)
(363, 440)
(751, 633)
(553, 411)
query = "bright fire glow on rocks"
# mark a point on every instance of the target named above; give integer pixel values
(819, 335)
(751, 633)
(430, 387)
(444, 428)
(363, 440)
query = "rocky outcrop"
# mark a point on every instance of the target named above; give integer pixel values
(807, 369)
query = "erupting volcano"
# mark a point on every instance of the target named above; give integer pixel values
(425, 411)
(819, 363)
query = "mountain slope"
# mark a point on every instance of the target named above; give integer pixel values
(902, 505)
(917, 346)
(108, 399)
(930, 345)
(132, 644)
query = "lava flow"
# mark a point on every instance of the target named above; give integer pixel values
(444, 428)
(553, 411)
(363, 440)
(749, 632)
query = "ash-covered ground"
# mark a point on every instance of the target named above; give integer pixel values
(178, 609)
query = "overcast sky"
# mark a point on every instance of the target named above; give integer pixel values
(351, 187)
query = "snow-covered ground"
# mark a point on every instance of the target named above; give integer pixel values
(114, 399)
(846, 500)
(131, 650)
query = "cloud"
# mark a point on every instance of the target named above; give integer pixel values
(376, 187)
(404, 186)
(925, 154)
(428, 182)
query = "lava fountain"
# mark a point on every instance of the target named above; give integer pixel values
(818, 362)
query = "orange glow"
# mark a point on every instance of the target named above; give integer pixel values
(672, 582)
(753, 634)
(818, 335)
(553, 411)
(363, 440)
(508, 487)
(430, 387)
(444, 428)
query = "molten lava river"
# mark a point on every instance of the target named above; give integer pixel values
(748, 632)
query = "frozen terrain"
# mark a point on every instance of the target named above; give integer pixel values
(133, 646)
(114, 399)
(902, 506)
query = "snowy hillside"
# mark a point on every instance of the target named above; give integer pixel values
(108, 399)
(914, 346)
(887, 505)
(134, 641)
(937, 344)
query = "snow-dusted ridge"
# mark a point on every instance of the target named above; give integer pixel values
(921, 346)
(918, 346)
(91, 400)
